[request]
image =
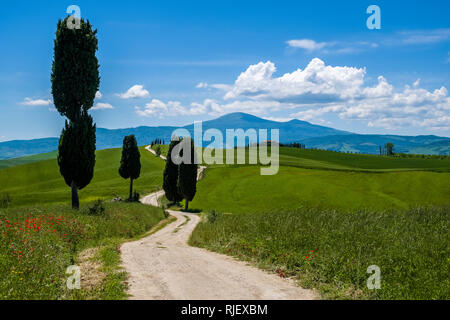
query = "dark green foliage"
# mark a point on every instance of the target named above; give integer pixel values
(170, 178)
(130, 164)
(187, 175)
(213, 216)
(389, 149)
(5, 200)
(158, 151)
(135, 198)
(75, 75)
(98, 209)
(75, 81)
(76, 154)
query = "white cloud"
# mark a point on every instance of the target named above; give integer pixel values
(136, 91)
(320, 90)
(98, 95)
(36, 103)
(316, 81)
(160, 109)
(307, 44)
(102, 106)
(424, 36)
(202, 85)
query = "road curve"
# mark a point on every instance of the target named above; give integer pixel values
(163, 266)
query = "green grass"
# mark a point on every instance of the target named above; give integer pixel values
(345, 161)
(26, 160)
(41, 182)
(331, 251)
(243, 189)
(33, 261)
(352, 210)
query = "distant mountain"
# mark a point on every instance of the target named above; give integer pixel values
(106, 138)
(314, 136)
(23, 148)
(370, 143)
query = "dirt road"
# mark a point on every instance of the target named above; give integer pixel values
(164, 267)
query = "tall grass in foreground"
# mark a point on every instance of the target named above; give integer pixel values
(37, 244)
(331, 251)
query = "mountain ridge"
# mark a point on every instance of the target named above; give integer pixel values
(313, 136)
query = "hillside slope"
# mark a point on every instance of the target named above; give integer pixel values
(41, 182)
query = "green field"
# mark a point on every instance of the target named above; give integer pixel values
(39, 242)
(331, 251)
(321, 159)
(41, 182)
(351, 210)
(243, 189)
(42, 235)
(26, 160)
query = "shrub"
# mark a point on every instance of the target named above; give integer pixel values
(158, 151)
(97, 209)
(213, 216)
(166, 214)
(5, 200)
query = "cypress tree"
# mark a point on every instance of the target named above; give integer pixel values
(130, 164)
(75, 81)
(187, 175)
(76, 154)
(170, 177)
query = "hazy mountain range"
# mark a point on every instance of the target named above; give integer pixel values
(313, 136)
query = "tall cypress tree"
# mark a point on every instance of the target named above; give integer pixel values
(187, 175)
(130, 164)
(170, 177)
(76, 154)
(75, 81)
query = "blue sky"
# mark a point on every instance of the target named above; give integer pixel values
(173, 62)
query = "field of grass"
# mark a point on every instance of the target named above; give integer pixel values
(331, 251)
(26, 160)
(329, 160)
(39, 242)
(41, 182)
(324, 219)
(320, 159)
(327, 225)
(243, 189)
(42, 235)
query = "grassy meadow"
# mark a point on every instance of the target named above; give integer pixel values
(323, 219)
(326, 217)
(243, 189)
(41, 182)
(42, 235)
(331, 250)
(39, 242)
(26, 160)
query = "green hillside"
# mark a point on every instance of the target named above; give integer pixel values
(26, 160)
(325, 226)
(243, 189)
(41, 182)
(307, 158)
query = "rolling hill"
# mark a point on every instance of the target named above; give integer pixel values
(41, 183)
(313, 136)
